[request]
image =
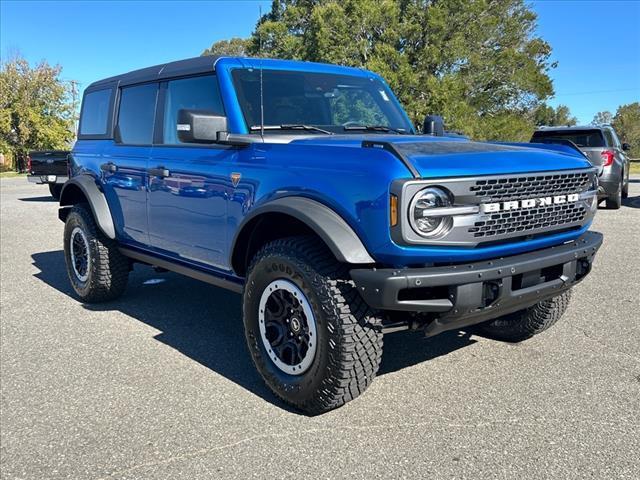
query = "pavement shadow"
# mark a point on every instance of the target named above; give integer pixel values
(38, 199)
(404, 349)
(205, 323)
(632, 202)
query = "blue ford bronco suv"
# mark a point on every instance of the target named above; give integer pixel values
(306, 188)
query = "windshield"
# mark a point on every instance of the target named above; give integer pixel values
(308, 103)
(582, 138)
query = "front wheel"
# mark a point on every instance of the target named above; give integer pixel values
(97, 270)
(311, 336)
(524, 324)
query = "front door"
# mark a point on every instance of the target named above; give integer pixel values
(124, 171)
(188, 183)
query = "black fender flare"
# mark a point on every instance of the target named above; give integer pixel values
(96, 199)
(334, 231)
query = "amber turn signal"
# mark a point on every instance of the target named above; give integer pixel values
(393, 210)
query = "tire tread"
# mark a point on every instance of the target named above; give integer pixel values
(354, 330)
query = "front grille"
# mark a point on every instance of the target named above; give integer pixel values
(530, 186)
(528, 206)
(512, 223)
(529, 219)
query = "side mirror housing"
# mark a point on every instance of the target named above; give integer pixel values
(626, 147)
(433, 125)
(199, 126)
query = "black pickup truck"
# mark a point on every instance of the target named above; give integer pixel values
(50, 167)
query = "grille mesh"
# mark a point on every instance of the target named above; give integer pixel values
(520, 188)
(513, 223)
(528, 219)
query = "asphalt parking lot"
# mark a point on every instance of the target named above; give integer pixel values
(159, 384)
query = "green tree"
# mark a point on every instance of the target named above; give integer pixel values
(476, 62)
(35, 108)
(602, 118)
(236, 47)
(549, 116)
(626, 123)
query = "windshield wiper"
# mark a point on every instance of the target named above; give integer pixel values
(309, 128)
(375, 128)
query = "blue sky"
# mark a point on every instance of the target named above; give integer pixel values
(596, 43)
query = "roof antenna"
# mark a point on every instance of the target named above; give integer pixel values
(261, 85)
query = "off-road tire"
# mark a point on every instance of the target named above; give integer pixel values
(615, 201)
(524, 324)
(108, 269)
(55, 189)
(349, 337)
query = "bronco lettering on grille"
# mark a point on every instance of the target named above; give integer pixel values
(529, 203)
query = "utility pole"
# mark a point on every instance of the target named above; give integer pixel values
(74, 97)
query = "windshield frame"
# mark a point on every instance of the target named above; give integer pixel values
(404, 124)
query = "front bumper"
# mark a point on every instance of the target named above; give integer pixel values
(42, 179)
(461, 295)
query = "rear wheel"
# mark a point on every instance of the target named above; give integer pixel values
(97, 270)
(625, 186)
(55, 189)
(526, 323)
(615, 201)
(311, 336)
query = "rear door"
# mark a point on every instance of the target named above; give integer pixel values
(124, 170)
(189, 184)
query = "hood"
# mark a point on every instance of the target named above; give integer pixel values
(434, 157)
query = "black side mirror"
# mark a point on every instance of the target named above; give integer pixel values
(199, 126)
(433, 125)
(626, 146)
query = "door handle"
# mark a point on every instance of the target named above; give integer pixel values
(158, 172)
(109, 167)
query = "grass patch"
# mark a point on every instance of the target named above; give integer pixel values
(11, 174)
(635, 168)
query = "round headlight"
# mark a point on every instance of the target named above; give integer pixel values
(424, 224)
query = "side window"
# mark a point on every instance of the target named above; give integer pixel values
(609, 138)
(95, 112)
(197, 93)
(136, 114)
(616, 140)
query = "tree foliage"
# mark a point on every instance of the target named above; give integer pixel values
(35, 109)
(626, 123)
(602, 118)
(236, 47)
(549, 116)
(476, 62)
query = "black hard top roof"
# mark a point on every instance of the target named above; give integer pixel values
(190, 66)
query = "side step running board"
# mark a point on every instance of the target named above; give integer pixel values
(182, 270)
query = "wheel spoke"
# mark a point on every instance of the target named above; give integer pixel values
(287, 326)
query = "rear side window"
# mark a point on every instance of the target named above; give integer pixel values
(582, 138)
(610, 141)
(95, 112)
(136, 114)
(197, 93)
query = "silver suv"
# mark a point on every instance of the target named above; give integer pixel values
(604, 150)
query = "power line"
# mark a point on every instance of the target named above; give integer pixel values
(598, 91)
